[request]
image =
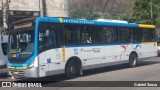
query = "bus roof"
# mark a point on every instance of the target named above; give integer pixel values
(89, 22)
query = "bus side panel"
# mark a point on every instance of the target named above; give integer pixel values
(43, 66)
(50, 62)
(111, 54)
(148, 49)
(125, 51)
(89, 55)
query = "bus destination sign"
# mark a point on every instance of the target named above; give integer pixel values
(22, 25)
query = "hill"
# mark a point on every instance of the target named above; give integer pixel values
(104, 8)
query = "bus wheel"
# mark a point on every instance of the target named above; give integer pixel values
(72, 69)
(133, 60)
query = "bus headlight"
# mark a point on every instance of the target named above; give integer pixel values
(32, 64)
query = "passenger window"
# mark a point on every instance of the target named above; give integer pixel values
(149, 35)
(47, 36)
(107, 34)
(72, 34)
(124, 34)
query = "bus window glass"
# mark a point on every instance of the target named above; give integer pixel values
(137, 35)
(107, 34)
(21, 43)
(124, 34)
(47, 36)
(149, 35)
(93, 34)
(72, 34)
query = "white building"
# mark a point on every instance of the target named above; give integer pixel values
(20, 9)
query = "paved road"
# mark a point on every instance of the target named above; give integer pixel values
(148, 70)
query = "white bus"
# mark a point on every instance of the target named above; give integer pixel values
(3, 55)
(44, 46)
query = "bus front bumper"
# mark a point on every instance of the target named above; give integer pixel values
(28, 73)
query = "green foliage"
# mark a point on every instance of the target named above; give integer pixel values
(92, 16)
(142, 12)
(84, 15)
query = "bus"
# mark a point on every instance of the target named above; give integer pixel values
(3, 55)
(44, 46)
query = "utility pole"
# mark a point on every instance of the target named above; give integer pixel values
(42, 8)
(151, 9)
(5, 8)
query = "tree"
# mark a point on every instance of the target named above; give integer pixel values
(144, 12)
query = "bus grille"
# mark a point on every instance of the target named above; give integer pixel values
(17, 73)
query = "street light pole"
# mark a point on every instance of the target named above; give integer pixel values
(5, 7)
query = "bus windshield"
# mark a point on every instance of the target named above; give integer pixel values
(21, 43)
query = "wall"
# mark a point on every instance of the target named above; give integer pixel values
(55, 8)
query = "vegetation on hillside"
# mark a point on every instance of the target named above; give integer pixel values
(138, 11)
(93, 9)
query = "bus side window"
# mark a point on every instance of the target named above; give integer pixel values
(116, 35)
(94, 34)
(72, 34)
(86, 38)
(50, 37)
(149, 35)
(107, 34)
(124, 34)
(47, 36)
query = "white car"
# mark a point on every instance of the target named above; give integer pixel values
(3, 55)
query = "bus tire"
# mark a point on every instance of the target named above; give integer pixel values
(133, 60)
(72, 69)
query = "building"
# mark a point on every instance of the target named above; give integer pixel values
(20, 9)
